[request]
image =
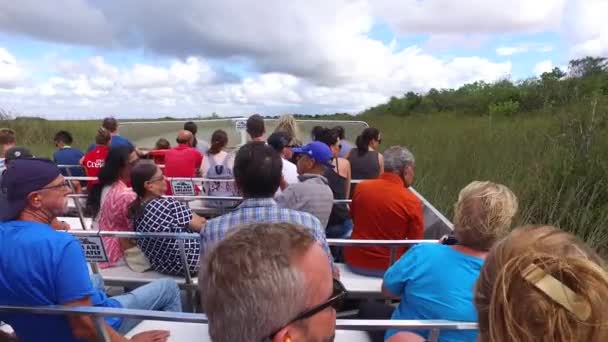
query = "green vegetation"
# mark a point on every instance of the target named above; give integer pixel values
(546, 138)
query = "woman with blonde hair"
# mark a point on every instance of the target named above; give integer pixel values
(435, 281)
(542, 284)
(287, 123)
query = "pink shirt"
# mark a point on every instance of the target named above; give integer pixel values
(113, 216)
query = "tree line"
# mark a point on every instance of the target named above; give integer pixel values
(585, 78)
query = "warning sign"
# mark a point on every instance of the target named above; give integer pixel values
(93, 249)
(240, 125)
(183, 188)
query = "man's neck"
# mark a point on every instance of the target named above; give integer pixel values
(259, 139)
(35, 216)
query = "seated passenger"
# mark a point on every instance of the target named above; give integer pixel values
(201, 145)
(218, 164)
(182, 160)
(7, 140)
(269, 282)
(312, 194)
(158, 153)
(257, 172)
(435, 281)
(108, 203)
(40, 266)
(110, 124)
(67, 155)
(93, 161)
(345, 145)
(280, 142)
(256, 128)
(365, 160)
(385, 209)
(542, 284)
(151, 213)
(340, 225)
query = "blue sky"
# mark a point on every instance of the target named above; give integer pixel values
(302, 57)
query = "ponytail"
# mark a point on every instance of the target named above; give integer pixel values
(365, 138)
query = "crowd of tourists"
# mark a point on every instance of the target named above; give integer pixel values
(265, 269)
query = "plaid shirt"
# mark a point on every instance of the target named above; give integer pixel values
(254, 210)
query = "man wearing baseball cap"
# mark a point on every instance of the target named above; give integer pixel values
(41, 266)
(312, 194)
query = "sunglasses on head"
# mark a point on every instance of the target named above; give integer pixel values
(335, 301)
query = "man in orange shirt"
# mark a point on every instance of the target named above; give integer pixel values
(385, 209)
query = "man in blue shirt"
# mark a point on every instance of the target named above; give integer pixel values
(257, 173)
(66, 155)
(111, 125)
(41, 266)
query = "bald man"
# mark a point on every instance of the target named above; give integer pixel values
(183, 160)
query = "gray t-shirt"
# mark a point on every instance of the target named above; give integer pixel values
(312, 195)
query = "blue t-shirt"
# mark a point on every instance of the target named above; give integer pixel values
(435, 282)
(69, 156)
(116, 141)
(41, 266)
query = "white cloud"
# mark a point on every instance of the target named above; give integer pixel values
(542, 67)
(11, 73)
(470, 16)
(510, 50)
(522, 48)
(586, 27)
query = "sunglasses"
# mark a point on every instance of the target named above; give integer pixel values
(64, 184)
(335, 301)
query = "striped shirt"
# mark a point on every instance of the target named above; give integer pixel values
(256, 210)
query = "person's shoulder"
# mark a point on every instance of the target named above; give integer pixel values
(303, 218)
(40, 232)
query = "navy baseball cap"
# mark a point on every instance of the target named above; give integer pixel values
(15, 153)
(317, 151)
(22, 177)
(278, 140)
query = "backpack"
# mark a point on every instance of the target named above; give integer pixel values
(220, 189)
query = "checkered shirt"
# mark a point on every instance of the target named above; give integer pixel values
(164, 215)
(256, 210)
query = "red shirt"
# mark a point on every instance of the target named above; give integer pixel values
(182, 161)
(383, 209)
(93, 161)
(158, 156)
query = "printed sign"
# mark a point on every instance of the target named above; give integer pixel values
(240, 125)
(93, 248)
(183, 188)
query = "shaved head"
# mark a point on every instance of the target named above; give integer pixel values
(184, 137)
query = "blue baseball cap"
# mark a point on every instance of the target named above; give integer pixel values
(22, 177)
(317, 151)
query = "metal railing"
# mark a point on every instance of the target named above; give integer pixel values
(98, 313)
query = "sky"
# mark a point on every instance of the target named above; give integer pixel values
(75, 59)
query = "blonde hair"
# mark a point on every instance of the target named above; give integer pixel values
(566, 301)
(483, 214)
(287, 123)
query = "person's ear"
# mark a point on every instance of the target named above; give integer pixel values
(282, 336)
(35, 200)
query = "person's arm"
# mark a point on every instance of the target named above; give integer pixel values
(415, 231)
(283, 184)
(185, 217)
(399, 274)
(59, 225)
(348, 177)
(381, 161)
(198, 222)
(83, 327)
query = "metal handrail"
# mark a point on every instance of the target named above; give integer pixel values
(193, 179)
(194, 197)
(346, 324)
(195, 236)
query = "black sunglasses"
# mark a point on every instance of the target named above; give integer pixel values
(335, 301)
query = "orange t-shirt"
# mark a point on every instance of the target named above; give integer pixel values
(383, 209)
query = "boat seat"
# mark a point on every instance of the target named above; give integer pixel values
(357, 285)
(181, 331)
